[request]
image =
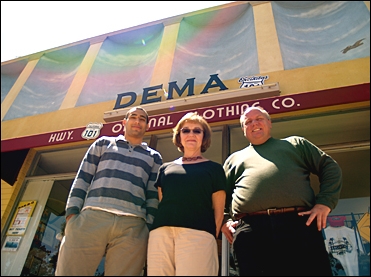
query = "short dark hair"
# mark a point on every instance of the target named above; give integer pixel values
(129, 112)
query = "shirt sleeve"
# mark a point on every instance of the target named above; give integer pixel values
(328, 171)
(229, 170)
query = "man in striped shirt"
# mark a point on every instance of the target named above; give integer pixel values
(111, 205)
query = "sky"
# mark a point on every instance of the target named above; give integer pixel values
(28, 27)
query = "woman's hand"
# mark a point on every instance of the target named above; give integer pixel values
(228, 230)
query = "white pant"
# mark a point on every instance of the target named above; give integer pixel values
(176, 251)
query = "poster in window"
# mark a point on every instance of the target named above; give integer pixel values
(49, 236)
(22, 218)
(12, 243)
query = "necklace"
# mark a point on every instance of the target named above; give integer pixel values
(191, 158)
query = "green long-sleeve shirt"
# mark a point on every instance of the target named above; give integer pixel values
(276, 174)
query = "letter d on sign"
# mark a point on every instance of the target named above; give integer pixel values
(133, 98)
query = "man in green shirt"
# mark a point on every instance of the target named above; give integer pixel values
(273, 218)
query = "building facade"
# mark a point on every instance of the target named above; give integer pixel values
(307, 63)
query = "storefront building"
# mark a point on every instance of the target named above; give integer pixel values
(307, 63)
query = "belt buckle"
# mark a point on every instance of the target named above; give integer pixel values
(269, 210)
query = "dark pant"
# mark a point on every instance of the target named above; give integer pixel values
(279, 245)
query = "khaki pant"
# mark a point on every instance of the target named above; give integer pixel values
(175, 251)
(92, 234)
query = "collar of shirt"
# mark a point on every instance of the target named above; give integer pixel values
(144, 145)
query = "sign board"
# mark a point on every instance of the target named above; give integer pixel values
(21, 218)
(12, 243)
(218, 113)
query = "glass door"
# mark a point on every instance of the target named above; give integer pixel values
(12, 262)
(42, 256)
(43, 252)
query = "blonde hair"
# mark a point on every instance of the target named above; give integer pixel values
(193, 117)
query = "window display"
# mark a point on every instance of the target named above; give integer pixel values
(348, 250)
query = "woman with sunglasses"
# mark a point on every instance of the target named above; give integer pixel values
(192, 195)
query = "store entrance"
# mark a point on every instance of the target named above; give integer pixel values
(42, 256)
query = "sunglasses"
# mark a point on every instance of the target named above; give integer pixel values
(196, 131)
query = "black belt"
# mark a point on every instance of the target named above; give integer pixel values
(272, 211)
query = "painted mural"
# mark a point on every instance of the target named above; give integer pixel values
(218, 42)
(320, 32)
(221, 41)
(125, 62)
(48, 83)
